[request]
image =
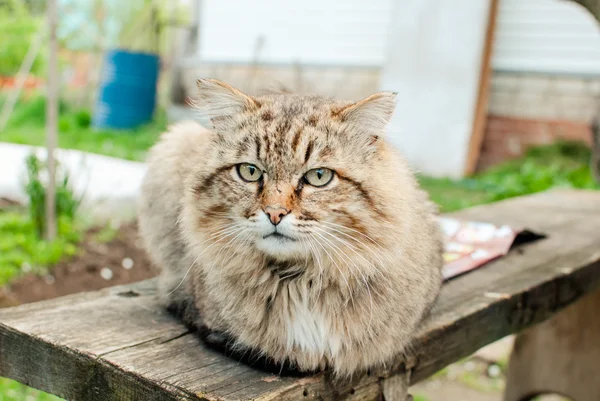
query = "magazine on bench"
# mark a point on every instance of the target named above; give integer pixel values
(469, 244)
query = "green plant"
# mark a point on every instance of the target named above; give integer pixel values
(26, 126)
(64, 124)
(66, 202)
(562, 164)
(11, 390)
(33, 112)
(83, 119)
(17, 30)
(21, 248)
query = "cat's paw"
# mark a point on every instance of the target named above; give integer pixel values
(215, 339)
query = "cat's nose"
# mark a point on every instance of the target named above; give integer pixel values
(275, 213)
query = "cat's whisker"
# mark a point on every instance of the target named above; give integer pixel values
(364, 246)
(184, 276)
(229, 228)
(338, 251)
(365, 281)
(216, 237)
(190, 268)
(229, 245)
(321, 272)
(340, 270)
(330, 223)
(353, 249)
(219, 232)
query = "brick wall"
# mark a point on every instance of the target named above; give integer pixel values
(340, 82)
(528, 110)
(509, 137)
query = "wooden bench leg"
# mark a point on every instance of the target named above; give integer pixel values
(395, 388)
(560, 355)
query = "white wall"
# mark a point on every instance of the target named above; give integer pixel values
(338, 32)
(436, 78)
(546, 36)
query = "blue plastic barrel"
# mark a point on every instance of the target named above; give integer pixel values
(127, 92)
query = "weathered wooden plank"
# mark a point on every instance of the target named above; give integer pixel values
(117, 344)
(571, 368)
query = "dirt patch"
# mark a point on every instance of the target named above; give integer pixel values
(98, 265)
(6, 203)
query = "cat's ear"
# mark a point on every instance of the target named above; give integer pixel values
(219, 102)
(371, 114)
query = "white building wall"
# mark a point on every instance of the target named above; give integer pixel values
(330, 32)
(546, 36)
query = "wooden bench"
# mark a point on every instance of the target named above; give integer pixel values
(117, 344)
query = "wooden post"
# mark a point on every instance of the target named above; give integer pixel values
(481, 109)
(52, 86)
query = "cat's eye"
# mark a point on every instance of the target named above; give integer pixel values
(249, 172)
(319, 177)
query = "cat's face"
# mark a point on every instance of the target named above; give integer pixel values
(290, 176)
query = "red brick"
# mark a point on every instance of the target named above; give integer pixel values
(508, 138)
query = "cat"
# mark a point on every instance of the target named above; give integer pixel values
(291, 229)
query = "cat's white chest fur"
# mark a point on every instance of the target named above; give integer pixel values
(312, 331)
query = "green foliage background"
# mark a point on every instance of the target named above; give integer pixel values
(18, 27)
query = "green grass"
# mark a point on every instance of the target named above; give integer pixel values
(13, 391)
(21, 250)
(26, 126)
(563, 164)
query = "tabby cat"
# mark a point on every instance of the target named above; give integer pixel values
(292, 229)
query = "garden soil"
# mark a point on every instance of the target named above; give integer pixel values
(121, 260)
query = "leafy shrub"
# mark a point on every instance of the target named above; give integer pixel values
(83, 118)
(66, 203)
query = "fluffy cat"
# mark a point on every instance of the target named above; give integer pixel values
(292, 228)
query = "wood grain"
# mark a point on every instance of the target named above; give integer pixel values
(571, 369)
(117, 344)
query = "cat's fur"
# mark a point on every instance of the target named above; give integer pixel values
(349, 293)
